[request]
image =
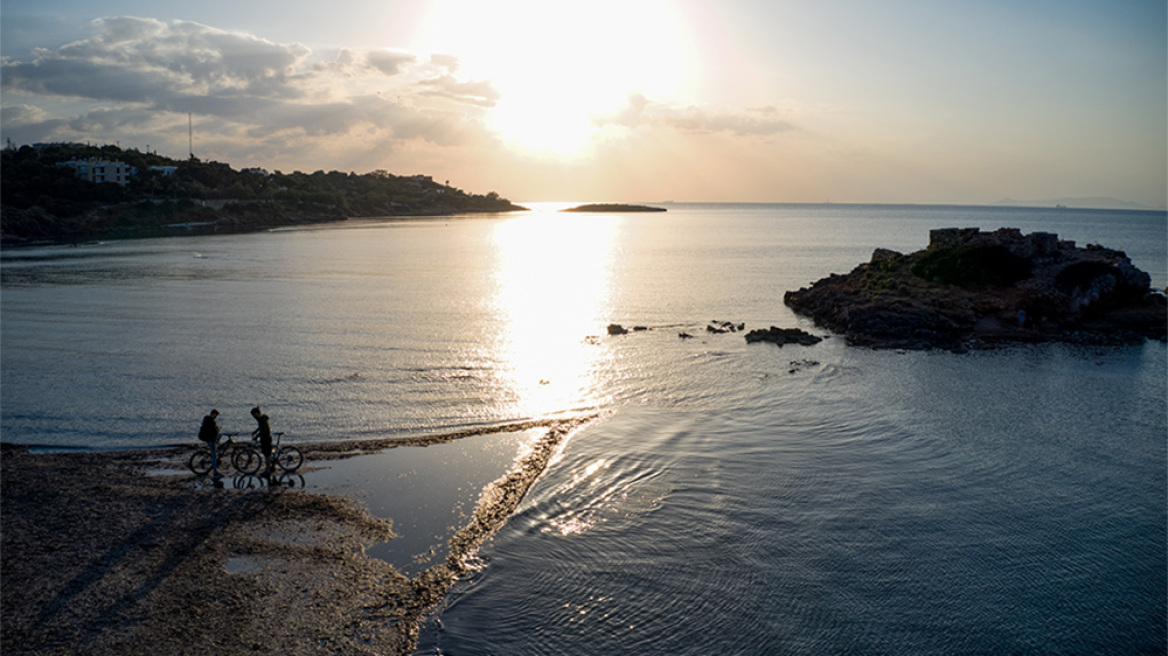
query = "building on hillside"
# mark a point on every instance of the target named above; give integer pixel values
(99, 170)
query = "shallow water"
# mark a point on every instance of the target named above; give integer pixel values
(735, 498)
(924, 503)
(429, 492)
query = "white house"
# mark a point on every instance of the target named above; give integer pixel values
(97, 170)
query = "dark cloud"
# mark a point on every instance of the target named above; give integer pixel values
(146, 61)
(640, 111)
(131, 70)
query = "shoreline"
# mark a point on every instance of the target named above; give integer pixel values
(100, 556)
(225, 227)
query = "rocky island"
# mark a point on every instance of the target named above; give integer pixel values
(973, 289)
(613, 207)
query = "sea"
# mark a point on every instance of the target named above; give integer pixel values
(722, 498)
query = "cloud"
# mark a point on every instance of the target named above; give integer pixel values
(640, 111)
(357, 62)
(482, 94)
(450, 63)
(389, 63)
(143, 60)
(132, 71)
(23, 114)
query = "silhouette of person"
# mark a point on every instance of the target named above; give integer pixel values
(264, 431)
(209, 433)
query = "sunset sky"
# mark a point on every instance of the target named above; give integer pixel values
(916, 101)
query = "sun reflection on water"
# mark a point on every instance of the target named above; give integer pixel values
(553, 294)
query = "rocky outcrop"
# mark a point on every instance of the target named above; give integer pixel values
(723, 327)
(971, 289)
(613, 207)
(782, 336)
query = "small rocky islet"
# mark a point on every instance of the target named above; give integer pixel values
(613, 207)
(973, 289)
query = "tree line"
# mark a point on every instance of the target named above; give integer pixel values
(40, 199)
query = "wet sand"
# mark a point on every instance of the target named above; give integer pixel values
(100, 556)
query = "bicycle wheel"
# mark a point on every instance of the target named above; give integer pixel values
(248, 482)
(247, 461)
(200, 462)
(289, 458)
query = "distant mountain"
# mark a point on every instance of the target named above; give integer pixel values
(1090, 202)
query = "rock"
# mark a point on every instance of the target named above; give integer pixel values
(617, 329)
(972, 289)
(721, 327)
(613, 207)
(782, 336)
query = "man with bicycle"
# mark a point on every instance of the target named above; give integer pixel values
(209, 433)
(264, 431)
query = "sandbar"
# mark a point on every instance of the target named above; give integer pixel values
(101, 555)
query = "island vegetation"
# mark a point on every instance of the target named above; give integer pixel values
(613, 207)
(44, 199)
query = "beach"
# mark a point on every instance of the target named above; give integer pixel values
(119, 552)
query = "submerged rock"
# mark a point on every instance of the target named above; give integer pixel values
(970, 288)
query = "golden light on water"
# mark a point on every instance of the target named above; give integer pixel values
(554, 277)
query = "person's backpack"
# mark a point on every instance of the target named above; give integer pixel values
(208, 431)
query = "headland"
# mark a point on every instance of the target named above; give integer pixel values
(54, 193)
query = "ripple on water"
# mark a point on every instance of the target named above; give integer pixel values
(881, 519)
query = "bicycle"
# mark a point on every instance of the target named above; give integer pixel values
(250, 459)
(200, 460)
(286, 480)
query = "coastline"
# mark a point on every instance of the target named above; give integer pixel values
(100, 554)
(217, 223)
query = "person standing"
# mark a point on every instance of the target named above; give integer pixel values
(209, 433)
(264, 431)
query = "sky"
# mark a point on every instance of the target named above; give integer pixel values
(847, 101)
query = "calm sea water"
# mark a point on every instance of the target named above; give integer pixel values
(733, 498)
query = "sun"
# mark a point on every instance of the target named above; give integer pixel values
(559, 67)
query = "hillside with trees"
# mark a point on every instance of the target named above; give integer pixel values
(43, 200)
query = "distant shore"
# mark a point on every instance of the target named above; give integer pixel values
(103, 554)
(202, 221)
